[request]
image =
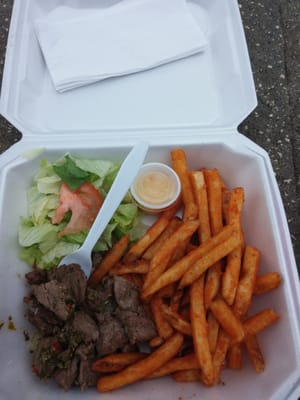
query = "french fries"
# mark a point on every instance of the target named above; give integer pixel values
(160, 260)
(110, 260)
(137, 249)
(209, 259)
(190, 375)
(254, 353)
(199, 331)
(234, 356)
(260, 321)
(176, 321)
(116, 362)
(228, 320)
(143, 368)
(180, 166)
(163, 327)
(171, 228)
(176, 271)
(198, 275)
(266, 282)
(184, 363)
(199, 187)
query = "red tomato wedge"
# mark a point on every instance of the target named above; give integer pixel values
(84, 203)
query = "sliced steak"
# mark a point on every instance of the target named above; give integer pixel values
(101, 299)
(112, 335)
(44, 358)
(54, 296)
(44, 320)
(85, 326)
(36, 276)
(138, 326)
(85, 351)
(126, 294)
(78, 323)
(86, 376)
(66, 377)
(73, 278)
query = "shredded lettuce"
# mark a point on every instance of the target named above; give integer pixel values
(38, 237)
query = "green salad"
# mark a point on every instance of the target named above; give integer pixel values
(62, 202)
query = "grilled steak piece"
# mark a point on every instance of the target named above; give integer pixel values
(85, 351)
(85, 326)
(86, 376)
(44, 358)
(55, 296)
(78, 323)
(112, 335)
(66, 377)
(126, 294)
(36, 276)
(138, 326)
(73, 278)
(101, 298)
(43, 319)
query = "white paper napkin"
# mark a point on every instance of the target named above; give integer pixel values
(84, 46)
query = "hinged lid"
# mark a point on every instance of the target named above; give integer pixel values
(212, 91)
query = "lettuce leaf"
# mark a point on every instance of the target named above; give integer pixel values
(38, 237)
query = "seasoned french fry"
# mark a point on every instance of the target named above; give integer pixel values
(213, 282)
(254, 353)
(152, 233)
(156, 341)
(234, 356)
(180, 166)
(112, 257)
(214, 193)
(191, 375)
(200, 195)
(116, 362)
(231, 274)
(228, 320)
(176, 271)
(209, 259)
(213, 331)
(235, 205)
(260, 321)
(176, 364)
(225, 203)
(199, 331)
(180, 251)
(220, 353)
(137, 279)
(163, 327)
(185, 313)
(160, 260)
(137, 267)
(176, 300)
(176, 321)
(167, 291)
(230, 278)
(154, 247)
(142, 368)
(267, 282)
(247, 281)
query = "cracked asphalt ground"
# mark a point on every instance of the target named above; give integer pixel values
(272, 29)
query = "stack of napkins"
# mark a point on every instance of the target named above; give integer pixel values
(82, 46)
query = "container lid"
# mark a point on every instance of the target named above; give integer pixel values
(211, 91)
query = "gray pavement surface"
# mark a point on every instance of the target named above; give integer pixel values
(272, 29)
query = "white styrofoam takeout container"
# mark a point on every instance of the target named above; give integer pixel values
(197, 104)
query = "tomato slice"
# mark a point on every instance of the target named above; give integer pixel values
(84, 203)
